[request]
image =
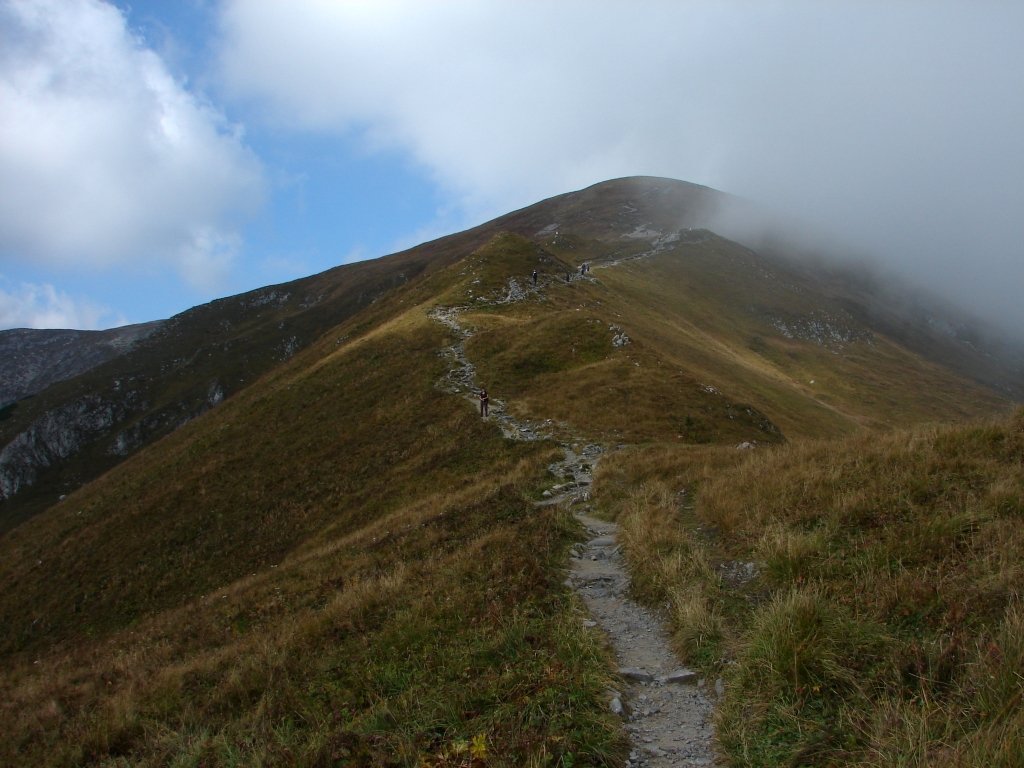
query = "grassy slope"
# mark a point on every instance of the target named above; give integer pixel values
(703, 364)
(338, 563)
(552, 356)
(894, 633)
(883, 623)
(341, 561)
(706, 305)
(226, 345)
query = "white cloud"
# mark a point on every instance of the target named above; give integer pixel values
(482, 95)
(894, 126)
(31, 305)
(106, 160)
(206, 258)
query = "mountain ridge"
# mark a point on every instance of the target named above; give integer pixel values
(343, 561)
(73, 430)
(36, 359)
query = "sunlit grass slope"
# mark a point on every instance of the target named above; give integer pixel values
(706, 360)
(880, 621)
(722, 313)
(553, 356)
(895, 631)
(180, 371)
(339, 564)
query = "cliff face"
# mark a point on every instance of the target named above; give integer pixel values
(57, 435)
(111, 424)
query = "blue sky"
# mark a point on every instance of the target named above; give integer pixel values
(156, 155)
(324, 200)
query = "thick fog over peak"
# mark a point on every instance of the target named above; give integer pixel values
(892, 129)
(908, 156)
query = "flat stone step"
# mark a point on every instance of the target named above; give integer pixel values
(679, 677)
(636, 675)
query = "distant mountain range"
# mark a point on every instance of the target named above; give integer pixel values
(35, 359)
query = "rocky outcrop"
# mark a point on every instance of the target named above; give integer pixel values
(832, 330)
(58, 434)
(118, 421)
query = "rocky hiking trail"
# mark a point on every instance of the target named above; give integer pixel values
(667, 712)
(665, 708)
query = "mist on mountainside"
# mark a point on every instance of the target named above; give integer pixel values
(909, 304)
(895, 275)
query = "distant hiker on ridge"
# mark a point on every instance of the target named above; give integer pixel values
(483, 403)
(535, 278)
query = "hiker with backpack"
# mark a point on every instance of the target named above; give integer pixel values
(483, 403)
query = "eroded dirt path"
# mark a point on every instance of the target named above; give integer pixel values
(665, 711)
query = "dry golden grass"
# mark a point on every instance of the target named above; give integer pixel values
(341, 563)
(882, 625)
(553, 357)
(704, 310)
(669, 567)
(701, 367)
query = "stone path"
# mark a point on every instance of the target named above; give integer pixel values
(665, 710)
(461, 380)
(667, 714)
(659, 242)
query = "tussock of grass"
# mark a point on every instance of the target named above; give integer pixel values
(805, 658)
(787, 554)
(670, 568)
